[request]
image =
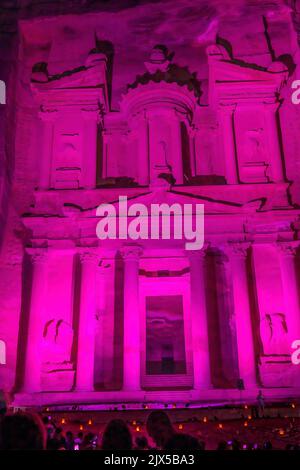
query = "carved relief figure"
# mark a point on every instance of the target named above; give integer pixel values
(253, 147)
(58, 339)
(273, 330)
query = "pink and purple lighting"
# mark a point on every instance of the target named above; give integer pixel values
(95, 110)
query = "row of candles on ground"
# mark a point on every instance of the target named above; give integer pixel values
(173, 405)
(180, 426)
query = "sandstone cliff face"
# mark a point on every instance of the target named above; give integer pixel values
(62, 33)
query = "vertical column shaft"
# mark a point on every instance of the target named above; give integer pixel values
(47, 150)
(33, 357)
(87, 323)
(273, 141)
(90, 119)
(201, 361)
(244, 332)
(132, 361)
(226, 114)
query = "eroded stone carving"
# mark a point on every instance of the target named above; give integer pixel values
(273, 331)
(58, 339)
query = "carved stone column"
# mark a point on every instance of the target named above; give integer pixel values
(142, 130)
(33, 356)
(226, 317)
(287, 255)
(91, 120)
(100, 333)
(131, 351)
(201, 361)
(237, 254)
(176, 148)
(87, 323)
(226, 116)
(271, 115)
(45, 160)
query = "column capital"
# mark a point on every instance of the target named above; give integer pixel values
(237, 249)
(288, 249)
(38, 255)
(88, 256)
(131, 252)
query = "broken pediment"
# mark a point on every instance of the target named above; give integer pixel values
(82, 86)
(211, 206)
(236, 81)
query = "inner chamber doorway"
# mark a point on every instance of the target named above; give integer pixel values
(166, 351)
(165, 344)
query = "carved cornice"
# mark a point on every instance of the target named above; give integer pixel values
(131, 252)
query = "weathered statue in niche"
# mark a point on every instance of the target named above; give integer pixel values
(255, 167)
(253, 146)
(162, 158)
(273, 331)
(68, 154)
(58, 340)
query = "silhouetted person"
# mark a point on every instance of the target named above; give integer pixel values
(69, 440)
(268, 445)
(222, 445)
(183, 442)
(117, 436)
(141, 443)
(160, 428)
(236, 445)
(261, 404)
(89, 441)
(23, 431)
(57, 442)
(78, 440)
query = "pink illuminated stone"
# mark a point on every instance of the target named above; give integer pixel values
(96, 110)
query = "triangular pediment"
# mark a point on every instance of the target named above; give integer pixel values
(211, 206)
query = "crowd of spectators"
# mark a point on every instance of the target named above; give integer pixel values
(20, 431)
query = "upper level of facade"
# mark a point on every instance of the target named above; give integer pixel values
(162, 131)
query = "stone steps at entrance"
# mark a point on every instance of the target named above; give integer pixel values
(150, 399)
